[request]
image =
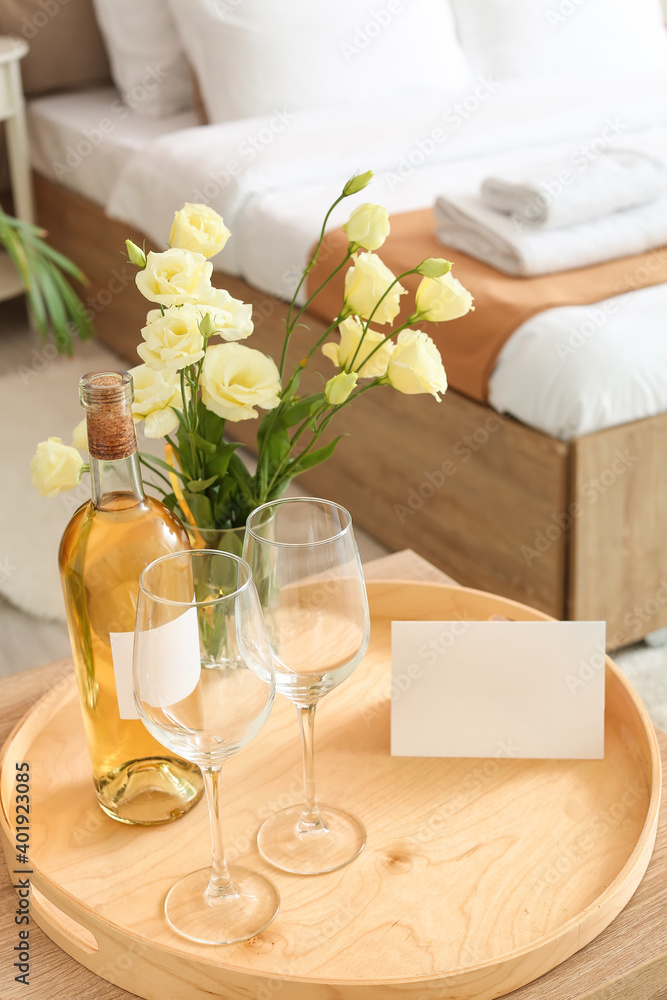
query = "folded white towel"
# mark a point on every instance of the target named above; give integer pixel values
(512, 246)
(572, 191)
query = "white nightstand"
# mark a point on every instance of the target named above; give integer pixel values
(12, 113)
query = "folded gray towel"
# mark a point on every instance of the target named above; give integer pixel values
(566, 192)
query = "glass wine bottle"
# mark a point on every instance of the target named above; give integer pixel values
(104, 549)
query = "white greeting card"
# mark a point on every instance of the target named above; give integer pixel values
(498, 689)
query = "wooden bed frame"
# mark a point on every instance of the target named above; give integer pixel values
(576, 529)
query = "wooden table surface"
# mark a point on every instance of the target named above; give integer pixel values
(627, 961)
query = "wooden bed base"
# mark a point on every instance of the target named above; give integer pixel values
(577, 529)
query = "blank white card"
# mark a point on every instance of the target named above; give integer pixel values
(498, 689)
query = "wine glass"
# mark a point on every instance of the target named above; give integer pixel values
(193, 608)
(308, 574)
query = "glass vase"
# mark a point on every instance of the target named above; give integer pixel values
(217, 647)
(221, 539)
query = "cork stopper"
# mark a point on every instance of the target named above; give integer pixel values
(107, 398)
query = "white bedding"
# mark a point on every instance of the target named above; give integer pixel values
(84, 139)
(272, 179)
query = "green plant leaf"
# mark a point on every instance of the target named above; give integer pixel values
(207, 447)
(200, 507)
(199, 485)
(52, 301)
(300, 409)
(211, 426)
(313, 458)
(153, 459)
(219, 463)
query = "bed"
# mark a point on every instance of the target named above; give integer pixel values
(527, 492)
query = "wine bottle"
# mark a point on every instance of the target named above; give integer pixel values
(103, 551)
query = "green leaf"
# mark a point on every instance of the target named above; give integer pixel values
(208, 447)
(62, 262)
(219, 462)
(50, 298)
(211, 426)
(53, 302)
(315, 410)
(153, 459)
(201, 509)
(313, 458)
(198, 485)
(242, 478)
(300, 409)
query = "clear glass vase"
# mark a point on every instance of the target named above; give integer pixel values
(218, 648)
(220, 539)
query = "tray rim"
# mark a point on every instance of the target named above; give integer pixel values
(376, 589)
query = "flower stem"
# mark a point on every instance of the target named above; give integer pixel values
(309, 266)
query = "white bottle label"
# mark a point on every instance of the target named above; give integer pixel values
(122, 646)
(170, 663)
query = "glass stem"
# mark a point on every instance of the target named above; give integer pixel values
(220, 884)
(310, 819)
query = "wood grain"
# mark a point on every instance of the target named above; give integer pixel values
(620, 483)
(458, 873)
(628, 960)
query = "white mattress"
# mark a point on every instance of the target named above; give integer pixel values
(143, 170)
(84, 139)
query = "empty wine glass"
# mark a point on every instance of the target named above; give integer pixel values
(308, 574)
(195, 607)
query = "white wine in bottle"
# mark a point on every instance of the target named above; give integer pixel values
(104, 549)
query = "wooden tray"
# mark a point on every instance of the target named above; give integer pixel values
(478, 875)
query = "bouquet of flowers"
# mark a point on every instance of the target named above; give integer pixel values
(197, 374)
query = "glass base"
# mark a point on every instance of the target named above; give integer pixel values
(227, 919)
(323, 848)
(150, 791)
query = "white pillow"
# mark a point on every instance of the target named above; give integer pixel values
(253, 57)
(607, 39)
(148, 64)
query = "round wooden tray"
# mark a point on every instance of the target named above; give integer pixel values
(478, 875)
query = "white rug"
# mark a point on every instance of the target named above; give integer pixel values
(35, 405)
(46, 403)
